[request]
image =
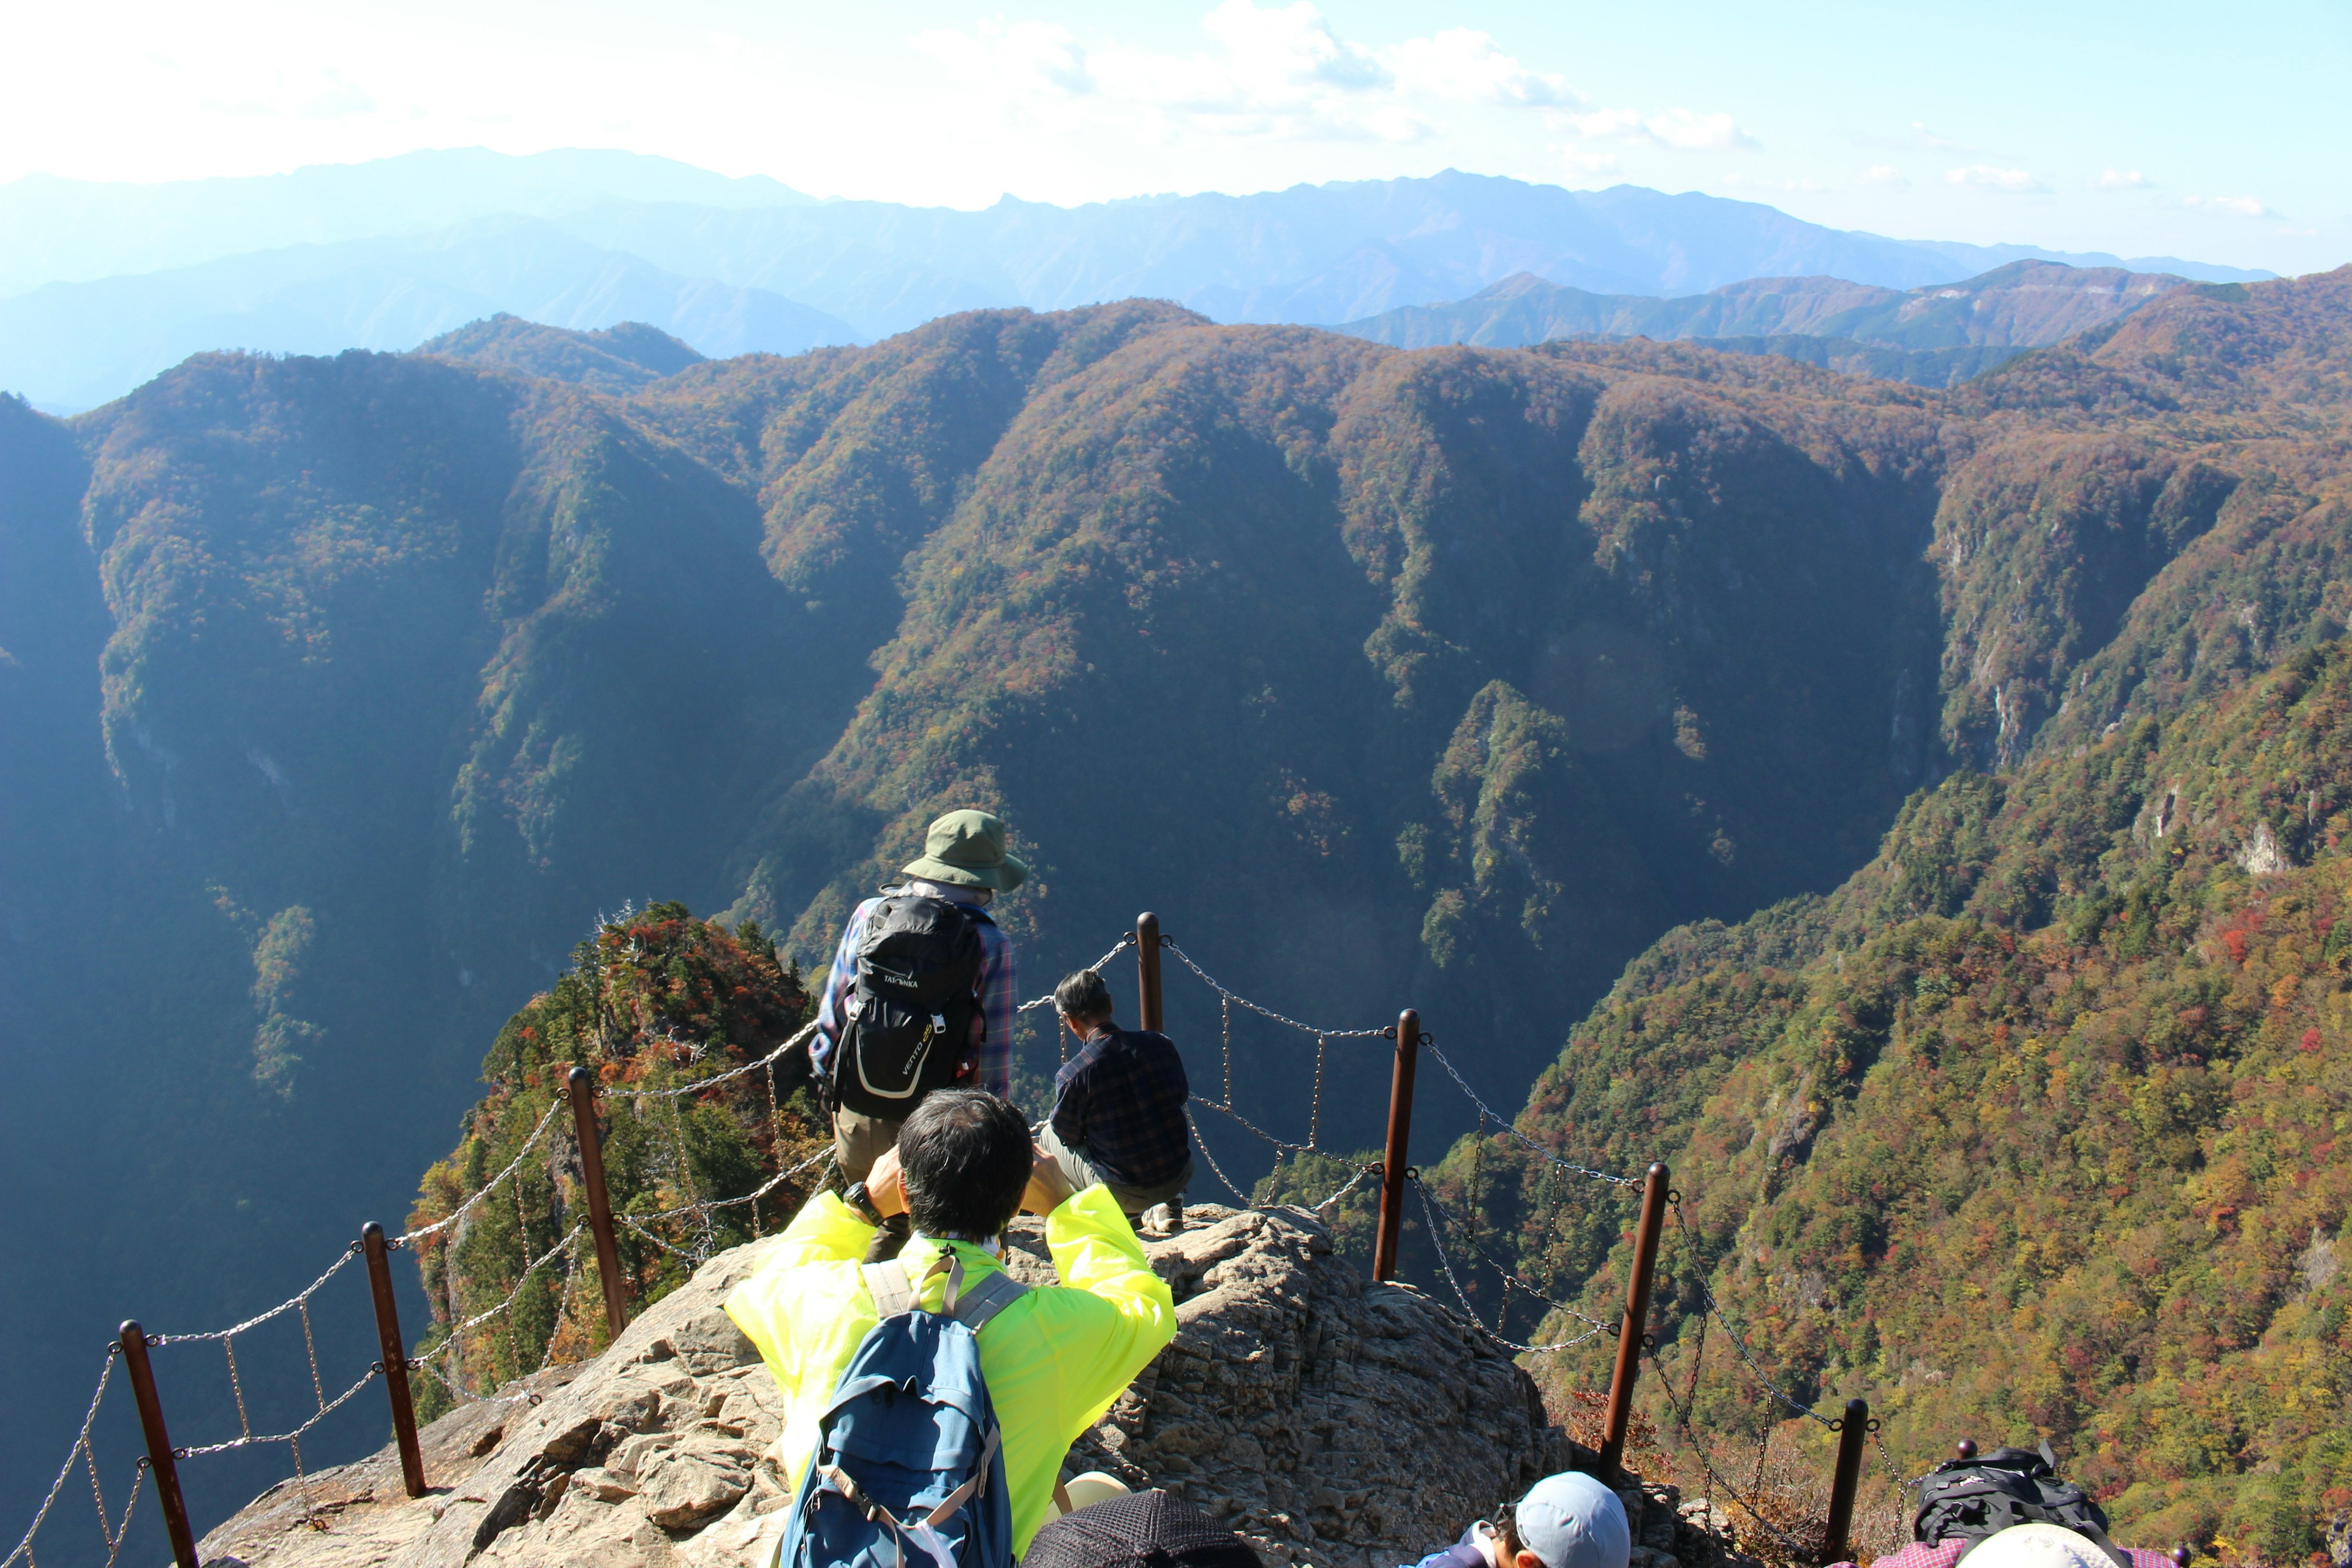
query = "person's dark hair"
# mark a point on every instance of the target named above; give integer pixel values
(966, 1157)
(1506, 1531)
(1083, 997)
(1142, 1529)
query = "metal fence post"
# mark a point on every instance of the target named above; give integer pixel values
(1847, 1480)
(1637, 1319)
(582, 1084)
(159, 1445)
(1146, 972)
(1395, 1161)
(396, 1357)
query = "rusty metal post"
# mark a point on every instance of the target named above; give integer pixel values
(1146, 972)
(396, 1357)
(1637, 1319)
(582, 1084)
(159, 1445)
(1846, 1480)
(1395, 1161)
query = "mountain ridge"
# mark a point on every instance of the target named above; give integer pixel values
(767, 268)
(1451, 678)
(2025, 303)
(71, 345)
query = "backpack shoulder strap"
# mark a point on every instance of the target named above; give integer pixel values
(893, 1292)
(986, 1296)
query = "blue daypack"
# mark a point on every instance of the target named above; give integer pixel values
(908, 1470)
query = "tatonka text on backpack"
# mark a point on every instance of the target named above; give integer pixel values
(908, 1470)
(1976, 1499)
(911, 1006)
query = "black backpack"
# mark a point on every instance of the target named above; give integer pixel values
(911, 1006)
(1975, 1499)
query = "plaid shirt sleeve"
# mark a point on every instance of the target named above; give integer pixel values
(832, 1008)
(992, 1027)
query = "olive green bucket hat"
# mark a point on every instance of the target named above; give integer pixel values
(966, 849)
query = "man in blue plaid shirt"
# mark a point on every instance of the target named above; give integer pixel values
(1119, 1106)
(963, 862)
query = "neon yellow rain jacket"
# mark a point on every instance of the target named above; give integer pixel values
(1055, 1359)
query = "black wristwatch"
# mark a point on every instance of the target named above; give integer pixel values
(855, 1198)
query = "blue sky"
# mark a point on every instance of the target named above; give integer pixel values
(2141, 128)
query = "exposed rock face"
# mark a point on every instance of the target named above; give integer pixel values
(1330, 1421)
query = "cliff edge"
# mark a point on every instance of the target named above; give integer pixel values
(1330, 1421)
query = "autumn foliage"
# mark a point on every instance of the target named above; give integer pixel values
(654, 1001)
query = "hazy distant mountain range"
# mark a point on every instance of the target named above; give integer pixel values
(1933, 336)
(76, 345)
(103, 285)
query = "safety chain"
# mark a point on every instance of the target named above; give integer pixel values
(1522, 1139)
(1202, 1145)
(1211, 982)
(81, 1450)
(678, 1091)
(247, 1439)
(1706, 1293)
(703, 1210)
(516, 1294)
(1254, 1127)
(1512, 1279)
(452, 1347)
(1444, 1261)
(1349, 1186)
(1798, 1551)
(1437, 1240)
(408, 1237)
(299, 1301)
(1121, 945)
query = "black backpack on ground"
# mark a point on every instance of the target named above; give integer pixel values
(911, 1007)
(1973, 1499)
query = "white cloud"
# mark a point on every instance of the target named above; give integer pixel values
(1940, 143)
(1290, 48)
(1277, 71)
(1466, 66)
(1735, 181)
(337, 98)
(1028, 58)
(1065, 105)
(1681, 130)
(2122, 180)
(1985, 176)
(1696, 132)
(2235, 207)
(1883, 175)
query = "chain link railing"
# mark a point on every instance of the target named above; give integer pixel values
(445, 1361)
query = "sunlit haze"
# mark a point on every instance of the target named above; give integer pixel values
(2137, 130)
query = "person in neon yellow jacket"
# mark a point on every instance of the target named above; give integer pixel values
(1055, 1359)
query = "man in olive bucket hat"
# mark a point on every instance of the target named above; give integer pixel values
(928, 926)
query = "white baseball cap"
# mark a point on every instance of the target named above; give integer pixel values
(1571, 1520)
(2037, 1546)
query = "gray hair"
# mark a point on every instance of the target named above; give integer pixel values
(1083, 997)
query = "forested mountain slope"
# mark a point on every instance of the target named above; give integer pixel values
(355, 689)
(2032, 1127)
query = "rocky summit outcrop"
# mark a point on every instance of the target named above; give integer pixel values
(1330, 1421)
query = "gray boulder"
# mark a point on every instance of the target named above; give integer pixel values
(1327, 1420)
